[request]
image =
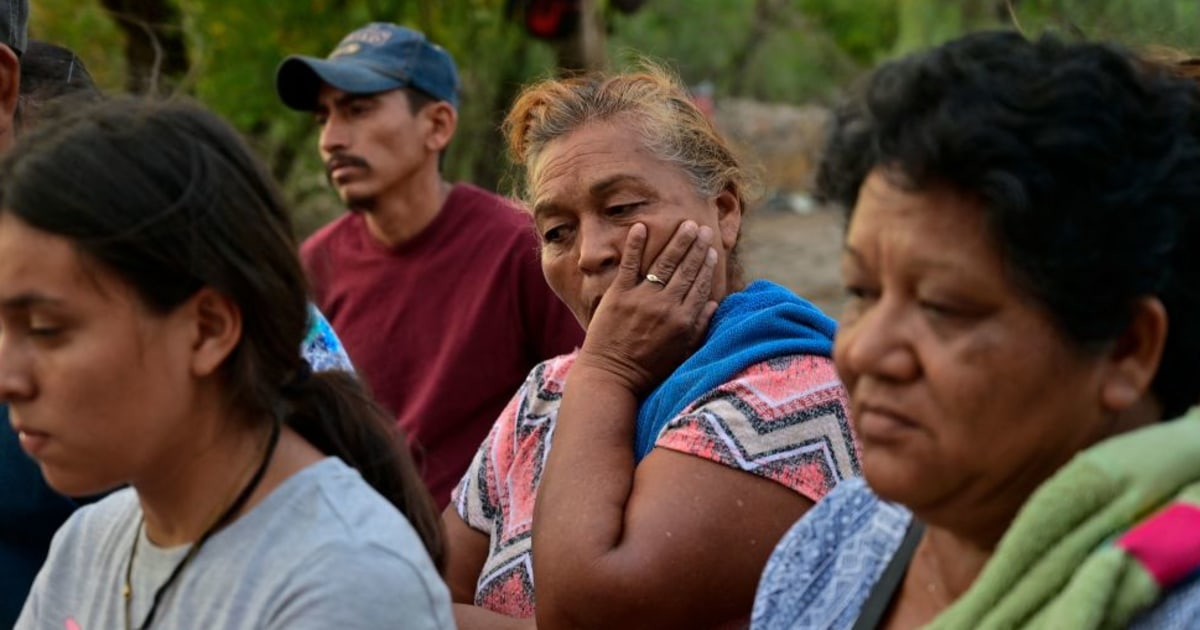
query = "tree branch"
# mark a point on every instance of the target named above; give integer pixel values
(155, 51)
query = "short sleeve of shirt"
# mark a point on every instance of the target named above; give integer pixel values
(497, 492)
(475, 499)
(374, 583)
(784, 419)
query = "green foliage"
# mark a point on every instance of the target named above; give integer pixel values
(1137, 23)
(778, 50)
(862, 29)
(235, 48)
(793, 52)
(87, 30)
(681, 33)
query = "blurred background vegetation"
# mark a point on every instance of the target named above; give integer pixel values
(778, 51)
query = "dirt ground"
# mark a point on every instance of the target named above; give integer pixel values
(799, 251)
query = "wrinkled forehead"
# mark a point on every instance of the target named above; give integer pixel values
(593, 151)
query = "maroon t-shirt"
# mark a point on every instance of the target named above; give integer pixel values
(445, 327)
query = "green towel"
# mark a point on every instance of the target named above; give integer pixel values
(1056, 566)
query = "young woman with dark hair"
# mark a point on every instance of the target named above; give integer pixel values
(152, 308)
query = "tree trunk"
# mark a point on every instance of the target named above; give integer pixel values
(924, 23)
(155, 52)
(487, 162)
(765, 15)
(585, 49)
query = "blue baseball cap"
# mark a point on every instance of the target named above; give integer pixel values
(378, 57)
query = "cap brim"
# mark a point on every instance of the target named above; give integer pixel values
(299, 79)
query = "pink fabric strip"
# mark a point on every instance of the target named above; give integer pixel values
(1166, 544)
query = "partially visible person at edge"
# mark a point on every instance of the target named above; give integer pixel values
(49, 74)
(1023, 317)
(153, 308)
(434, 287)
(53, 77)
(683, 446)
(26, 505)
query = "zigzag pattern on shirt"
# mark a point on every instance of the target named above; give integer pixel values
(783, 419)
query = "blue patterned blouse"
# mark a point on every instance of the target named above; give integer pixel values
(321, 346)
(823, 569)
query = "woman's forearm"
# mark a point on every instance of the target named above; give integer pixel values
(580, 511)
(585, 553)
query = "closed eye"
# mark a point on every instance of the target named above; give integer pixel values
(945, 311)
(860, 293)
(623, 209)
(859, 299)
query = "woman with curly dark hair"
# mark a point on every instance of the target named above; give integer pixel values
(1024, 313)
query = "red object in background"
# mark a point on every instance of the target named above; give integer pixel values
(552, 19)
(556, 19)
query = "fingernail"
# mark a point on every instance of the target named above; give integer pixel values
(711, 258)
(688, 227)
(705, 236)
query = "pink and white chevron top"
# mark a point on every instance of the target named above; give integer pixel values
(784, 419)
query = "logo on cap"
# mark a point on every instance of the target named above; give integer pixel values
(345, 49)
(372, 35)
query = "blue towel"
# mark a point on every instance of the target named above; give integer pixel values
(761, 322)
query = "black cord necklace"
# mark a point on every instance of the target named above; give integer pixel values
(243, 496)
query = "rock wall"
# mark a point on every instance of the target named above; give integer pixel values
(784, 140)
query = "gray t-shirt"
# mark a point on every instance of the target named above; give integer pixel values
(323, 550)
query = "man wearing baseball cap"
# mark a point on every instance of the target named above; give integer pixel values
(434, 288)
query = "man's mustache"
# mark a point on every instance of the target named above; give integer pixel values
(338, 161)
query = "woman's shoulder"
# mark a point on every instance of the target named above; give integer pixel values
(786, 419)
(336, 505)
(382, 589)
(793, 383)
(785, 385)
(322, 535)
(91, 543)
(823, 569)
(337, 525)
(849, 516)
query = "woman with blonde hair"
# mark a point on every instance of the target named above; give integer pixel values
(700, 414)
